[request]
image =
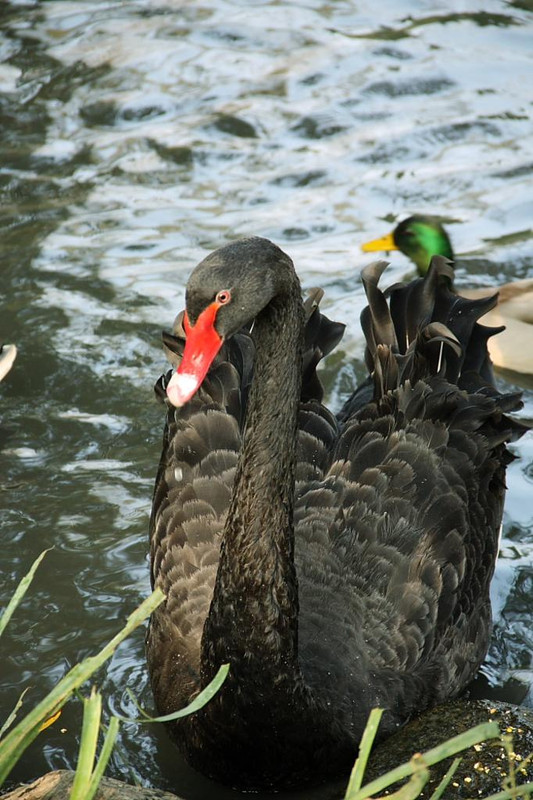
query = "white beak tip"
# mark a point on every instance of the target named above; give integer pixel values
(181, 387)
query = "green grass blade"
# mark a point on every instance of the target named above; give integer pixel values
(195, 705)
(20, 591)
(439, 791)
(523, 791)
(367, 740)
(25, 732)
(414, 785)
(11, 718)
(140, 709)
(488, 730)
(105, 754)
(92, 712)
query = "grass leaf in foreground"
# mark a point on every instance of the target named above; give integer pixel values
(14, 744)
(411, 790)
(522, 792)
(367, 740)
(20, 591)
(88, 776)
(195, 705)
(488, 730)
(105, 754)
(439, 791)
(92, 711)
(13, 715)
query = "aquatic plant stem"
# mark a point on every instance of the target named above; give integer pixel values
(26, 731)
(20, 591)
(488, 730)
(92, 711)
(367, 740)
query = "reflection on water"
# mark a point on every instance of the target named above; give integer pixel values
(137, 136)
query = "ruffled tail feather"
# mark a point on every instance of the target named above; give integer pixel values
(421, 331)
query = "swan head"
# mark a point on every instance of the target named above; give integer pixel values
(225, 292)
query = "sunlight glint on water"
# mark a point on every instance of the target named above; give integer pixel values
(141, 135)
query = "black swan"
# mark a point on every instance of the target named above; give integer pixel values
(336, 563)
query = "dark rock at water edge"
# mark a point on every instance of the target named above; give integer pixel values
(483, 768)
(57, 786)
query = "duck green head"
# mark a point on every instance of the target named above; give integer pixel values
(419, 238)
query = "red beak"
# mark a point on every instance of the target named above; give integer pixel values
(201, 346)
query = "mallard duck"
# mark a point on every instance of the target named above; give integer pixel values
(419, 238)
(337, 563)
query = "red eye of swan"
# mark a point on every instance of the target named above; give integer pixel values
(223, 297)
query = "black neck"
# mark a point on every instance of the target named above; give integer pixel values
(253, 620)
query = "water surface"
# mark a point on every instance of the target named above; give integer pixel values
(136, 137)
